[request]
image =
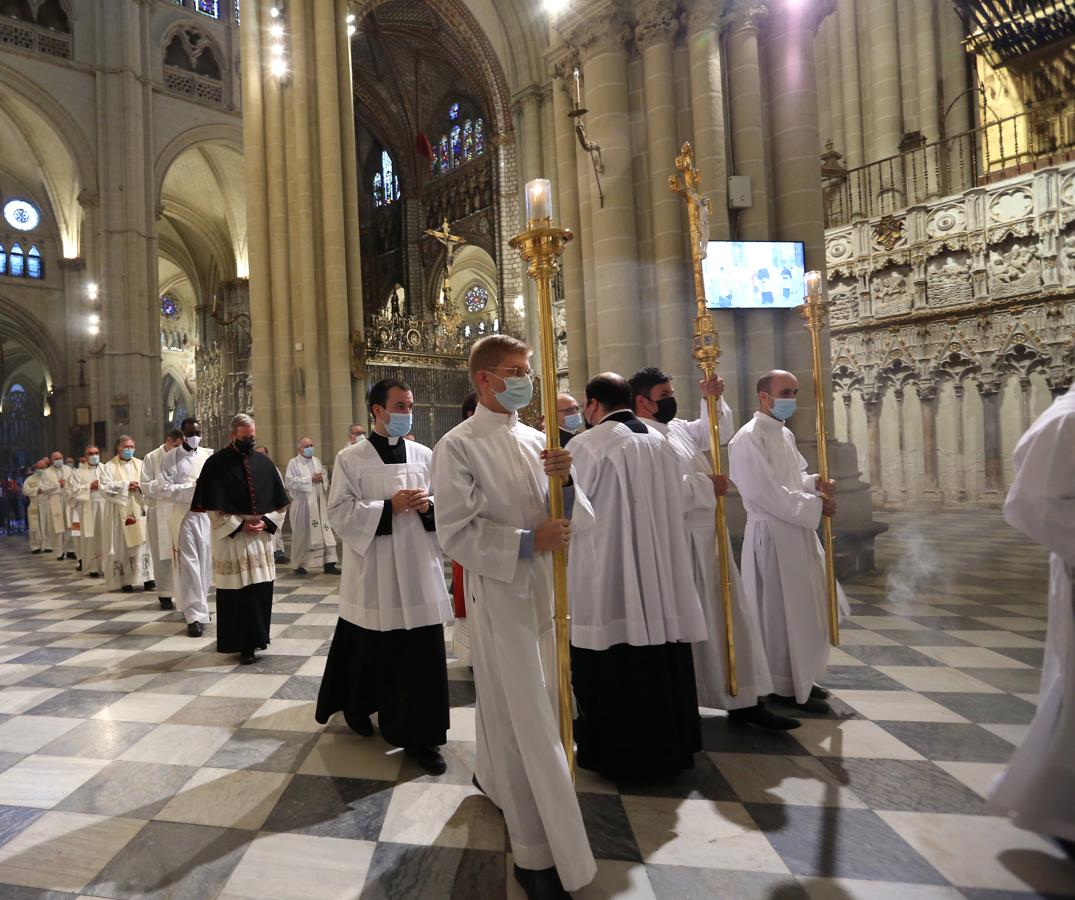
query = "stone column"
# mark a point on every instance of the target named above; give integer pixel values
(850, 73)
(570, 217)
(886, 119)
(994, 473)
(600, 37)
(749, 126)
(306, 275)
(671, 267)
(872, 403)
(961, 443)
(927, 397)
(528, 106)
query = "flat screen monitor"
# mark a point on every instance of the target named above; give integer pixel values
(754, 274)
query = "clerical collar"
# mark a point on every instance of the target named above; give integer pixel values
(625, 415)
(389, 439)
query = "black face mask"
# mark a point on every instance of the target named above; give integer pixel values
(244, 445)
(666, 410)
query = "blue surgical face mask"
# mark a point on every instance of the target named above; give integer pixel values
(399, 424)
(93, 459)
(573, 422)
(126, 453)
(784, 407)
(308, 452)
(518, 392)
(58, 463)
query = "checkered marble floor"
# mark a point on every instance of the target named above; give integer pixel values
(136, 762)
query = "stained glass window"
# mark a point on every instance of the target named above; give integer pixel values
(33, 263)
(385, 182)
(476, 298)
(463, 141)
(445, 160)
(468, 140)
(378, 190)
(16, 262)
(21, 214)
(457, 145)
(479, 137)
(453, 112)
(236, 12)
(169, 308)
(3, 260)
(208, 7)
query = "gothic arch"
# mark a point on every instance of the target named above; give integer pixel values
(20, 326)
(225, 133)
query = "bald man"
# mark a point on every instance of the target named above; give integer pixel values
(312, 541)
(783, 567)
(569, 416)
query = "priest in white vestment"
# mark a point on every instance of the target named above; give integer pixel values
(92, 513)
(387, 654)
(634, 607)
(160, 540)
(313, 544)
(40, 538)
(192, 559)
(490, 478)
(241, 493)
(655, 404)
(783, 566)
(53, 496)
(1038, 790)
(278, 552)
(128, 561)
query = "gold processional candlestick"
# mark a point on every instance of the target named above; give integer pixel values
(707, 354)
(814, 312)
(541, 244)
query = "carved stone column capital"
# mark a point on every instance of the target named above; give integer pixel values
(604, 26)
(656, 22)
(785, 11)
(702, 14)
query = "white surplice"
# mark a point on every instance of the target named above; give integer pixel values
(53, 499)
(192, 556)
(92, 517)
(160, 541)
(278, 535)
(239, 558)
(783, 562)
(127, 555)
(389, 581)
(490, 487)
(689, 441)
(312, 542)
(35, 521)
(629, 580)
(1038, 790)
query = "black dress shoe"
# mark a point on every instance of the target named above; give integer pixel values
(761, 717)
(247, 658)
(95, 574)
(330, 569)
(429, 758)
(300, 571)
(78, 568)
(61, 558)
(817, 692)
(166, 603)
(541, 884)
(817, 707)
(284, 559)
(37, 551)
(150, 585)
(359, 724)
(127, 589)
(195, 629)
(71, 556)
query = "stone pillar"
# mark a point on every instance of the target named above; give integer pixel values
(838, 103)
(675, 311)
(886, 119)
(570, 217)
(872, 403)
(929, 111)
(994, 473)
(749, 125)
(600, 38)
(901, 451)
(528, 106)
(299, 143)
(961, 443)
(927, 397)
(850, 74)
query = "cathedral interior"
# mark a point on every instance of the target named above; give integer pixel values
(213, 207)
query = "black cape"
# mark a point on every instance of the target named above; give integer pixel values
(242, 484)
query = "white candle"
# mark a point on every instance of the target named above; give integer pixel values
(813, 284)
(578, 89)
(538, 200)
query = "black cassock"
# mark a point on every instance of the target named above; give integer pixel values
(400, 674)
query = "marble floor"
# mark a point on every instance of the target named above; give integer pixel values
(137, 763)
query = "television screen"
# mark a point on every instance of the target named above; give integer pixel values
(754, 274)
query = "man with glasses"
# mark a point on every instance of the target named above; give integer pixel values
(570, 416)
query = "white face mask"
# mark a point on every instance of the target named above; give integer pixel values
(193, 441)
(58, 463)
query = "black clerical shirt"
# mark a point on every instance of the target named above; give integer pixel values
(628, 418)
(395, 454)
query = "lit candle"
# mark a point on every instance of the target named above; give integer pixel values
(538, 200)
(578, 89)
(813, 284)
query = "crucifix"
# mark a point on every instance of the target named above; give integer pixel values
(706, 355)
(451, 243)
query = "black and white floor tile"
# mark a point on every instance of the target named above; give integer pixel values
(135, 762)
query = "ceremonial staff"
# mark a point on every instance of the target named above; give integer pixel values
(541, 244)
(815, 308)
(707, 354)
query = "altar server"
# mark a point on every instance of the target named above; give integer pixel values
(189, 528)
(490, 478)
(40, 537)
(387, 655)
(461, 629)
(92, 522)
(160, 541)
(128, 559)
(53, 497)
(241, 493)
(1038, 790)
(312, 542)
(783, 561)
(634, 606)
(655, 404)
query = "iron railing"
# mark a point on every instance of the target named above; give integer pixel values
(1041, 136)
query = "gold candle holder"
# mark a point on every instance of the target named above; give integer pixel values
(815, 312)
(541, 244)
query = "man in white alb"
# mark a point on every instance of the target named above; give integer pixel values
(128, 560)
(160, 541)
(92, 508)
(53, 488)
(312, 542)
(278, 552)
(40, 538)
